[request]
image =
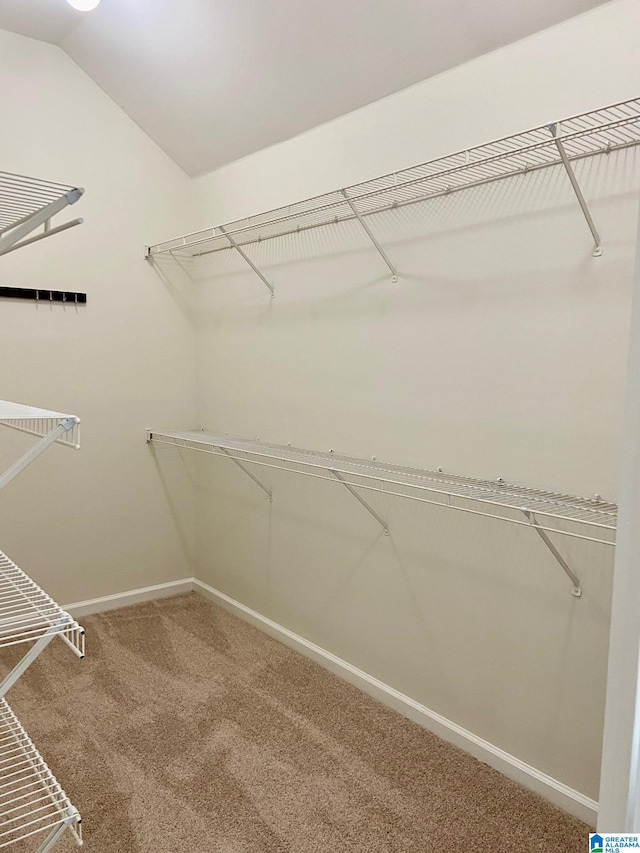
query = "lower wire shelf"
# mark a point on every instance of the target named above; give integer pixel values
(29, 616)
(31, 800)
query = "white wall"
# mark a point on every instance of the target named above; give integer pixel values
(500, 352)
(99, 520)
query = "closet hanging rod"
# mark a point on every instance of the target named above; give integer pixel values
(396, 205)
(598, 132)
(589, 519)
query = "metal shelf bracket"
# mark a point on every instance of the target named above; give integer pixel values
(575, 580)
(247, 472)
(371, 236)
(26, 661)
(72, 823)
(367, 506)
(247, 259)
(555, 130)
(36, 450)
(15, 235)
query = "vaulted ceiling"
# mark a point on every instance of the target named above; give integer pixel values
(214, 80)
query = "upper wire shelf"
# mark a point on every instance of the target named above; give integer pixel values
(582, 518)
(40, 422)
(48, 426)
(31, 799)
(28, 203)
(601, 131)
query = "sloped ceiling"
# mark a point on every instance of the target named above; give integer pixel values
(214, 80)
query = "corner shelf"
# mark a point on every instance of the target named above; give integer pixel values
(31, 800)
(28, 203)
(561, 143)
(546, 512)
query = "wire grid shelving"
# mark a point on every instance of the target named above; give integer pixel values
(40, 422)
(28, 203)
(31, 799)
(591, 519)
(601, 131)
(27, 613)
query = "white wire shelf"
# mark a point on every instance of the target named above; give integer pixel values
(31, 800)
(40, 422)
(601, 131)
(28, 614)
(28, 203)
(591, 519)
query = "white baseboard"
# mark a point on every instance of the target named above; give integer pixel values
(555, 792)
(125, 599)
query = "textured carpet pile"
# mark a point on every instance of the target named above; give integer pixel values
(186, 730)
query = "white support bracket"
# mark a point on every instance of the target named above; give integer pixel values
(58, 831)
(246, 471)
(25, 662)
(361, 500)
(575, 580)
(555, 132)
(247, 259)
(36, 450)
(371, 236)
(13, 236)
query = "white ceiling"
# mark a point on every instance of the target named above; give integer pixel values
(213, 80)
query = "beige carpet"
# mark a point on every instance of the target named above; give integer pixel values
(187, 731)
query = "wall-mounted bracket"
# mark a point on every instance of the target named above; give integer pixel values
(555, 132)
(36, 450)
(371, 236)
(575, 580)
(367, 506)
(247, 259)
(14, 236)
(246, 471)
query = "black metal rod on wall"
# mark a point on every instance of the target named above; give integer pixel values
(38, 295)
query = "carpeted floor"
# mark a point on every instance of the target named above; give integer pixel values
(185, 730)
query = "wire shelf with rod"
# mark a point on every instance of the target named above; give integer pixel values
(29, 615)
(560, 143)
(590, 519)
(30, 203)
(31, 800)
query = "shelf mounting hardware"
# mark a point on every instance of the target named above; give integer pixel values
(371, 236)
(35, 451)
(246, 258)
(575, 580)
(58, 831)
(247, 472)
(367, 506)
(25, 662)
(555, 130)
(15, 234)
